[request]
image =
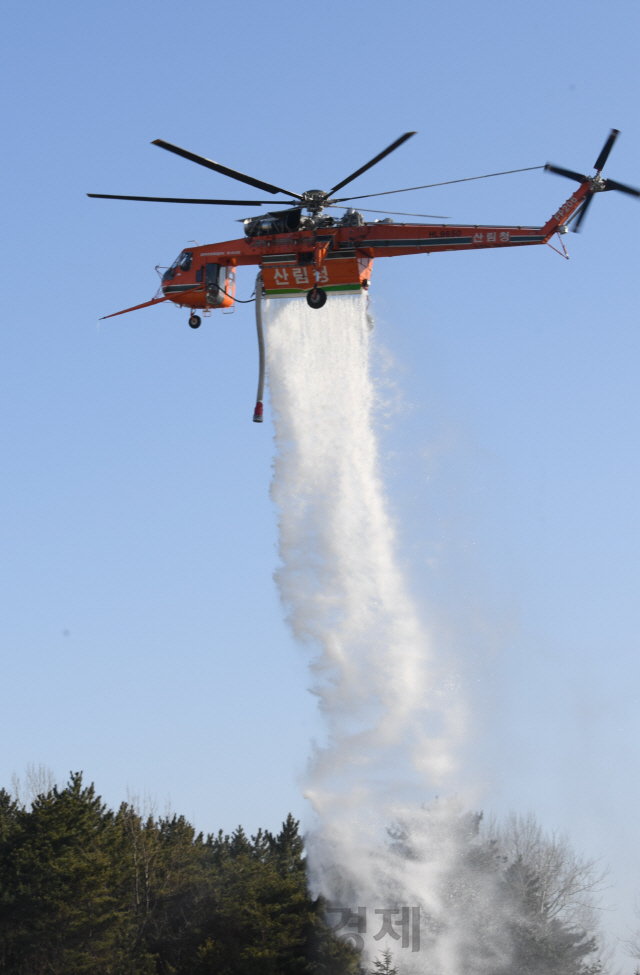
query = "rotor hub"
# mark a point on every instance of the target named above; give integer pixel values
(598, 183)
(315, 200)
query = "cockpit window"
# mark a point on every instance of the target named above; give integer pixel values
(170, 273)
(182, 261)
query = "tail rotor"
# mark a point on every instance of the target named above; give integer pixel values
(597, 183)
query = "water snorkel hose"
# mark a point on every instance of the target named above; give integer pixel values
(257, 413)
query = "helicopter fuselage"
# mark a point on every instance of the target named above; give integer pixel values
(339, 259)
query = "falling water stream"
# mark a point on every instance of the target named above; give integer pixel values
(392, 721)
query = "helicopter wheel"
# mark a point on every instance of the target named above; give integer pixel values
(316, 298)
(195, 321)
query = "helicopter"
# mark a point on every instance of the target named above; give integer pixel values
(302, 251)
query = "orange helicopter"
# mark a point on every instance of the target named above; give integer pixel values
(316, 255)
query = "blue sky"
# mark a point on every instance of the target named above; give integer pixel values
(136, 514)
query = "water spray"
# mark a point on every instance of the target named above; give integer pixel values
(391, 725)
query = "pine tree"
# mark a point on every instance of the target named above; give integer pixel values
(61, 871)
(384, 966)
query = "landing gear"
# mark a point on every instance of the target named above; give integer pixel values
(195, 321)
(316, 298)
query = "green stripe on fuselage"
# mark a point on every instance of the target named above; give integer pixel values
(301, 293)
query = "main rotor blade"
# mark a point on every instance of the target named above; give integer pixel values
(381, 155)
(176, 199)
(394, 213)
(569, 173)
(587, 201)
(606, 149)
(234, 174)
(612, 185)
(428, 186)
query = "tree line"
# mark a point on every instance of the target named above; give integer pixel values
(85, 890)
